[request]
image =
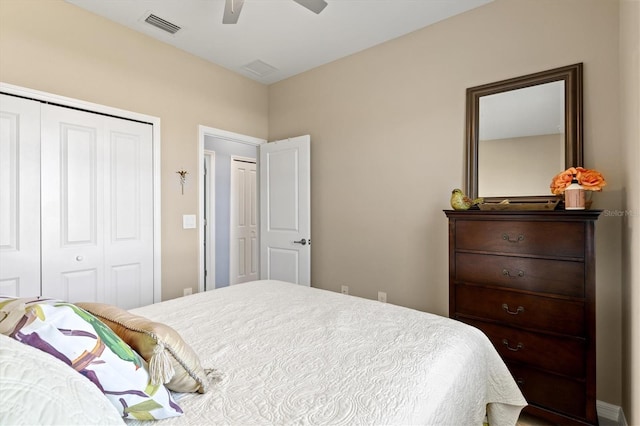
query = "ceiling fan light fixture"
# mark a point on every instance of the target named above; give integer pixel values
(232, 10)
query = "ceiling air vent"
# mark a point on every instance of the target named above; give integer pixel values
(164, 25)
(259, 68)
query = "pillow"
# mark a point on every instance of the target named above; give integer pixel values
(171, 360)
(83, 342)
(59, 397)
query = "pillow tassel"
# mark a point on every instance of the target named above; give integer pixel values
(160, 367)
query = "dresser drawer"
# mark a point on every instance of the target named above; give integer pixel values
(540, 275)
(550, 391)
(561, 355)
(511, 308)
(564, 239)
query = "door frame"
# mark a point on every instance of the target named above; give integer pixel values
(120, 113)
(209, 220)
(204, 131)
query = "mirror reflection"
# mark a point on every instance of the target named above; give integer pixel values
(521, 140)
(521, 132)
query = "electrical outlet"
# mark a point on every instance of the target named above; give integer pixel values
(187, 291)
(345, 289)
(382, 297)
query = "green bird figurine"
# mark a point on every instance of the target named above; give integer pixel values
(459, 201)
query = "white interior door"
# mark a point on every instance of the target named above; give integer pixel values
(285, 209)
(243, 260)
(97, 208)
(128, 238)
(72, 205)
(19, 197)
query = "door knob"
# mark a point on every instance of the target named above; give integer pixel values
(302, 241)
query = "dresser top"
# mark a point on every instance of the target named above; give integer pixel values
(524, 214)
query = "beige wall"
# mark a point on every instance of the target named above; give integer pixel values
(59, 48)
(387, 129)
(630, 135)
(387, 143)
(500, 164)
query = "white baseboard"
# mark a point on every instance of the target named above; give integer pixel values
(610, 412)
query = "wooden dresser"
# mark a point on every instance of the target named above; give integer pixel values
(527, 279)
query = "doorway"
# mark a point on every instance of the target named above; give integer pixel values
(284, 235)
(214, 237)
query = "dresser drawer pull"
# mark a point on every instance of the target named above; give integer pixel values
(516, 240)
(508, 273)
(516, 349)
(520, 381)
(517, 311)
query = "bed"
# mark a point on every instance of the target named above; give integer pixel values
(276, 353)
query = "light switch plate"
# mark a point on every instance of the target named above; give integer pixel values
(188, 221)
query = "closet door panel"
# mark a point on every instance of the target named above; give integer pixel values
(76, 205)
(72, 146)
(19, 197)
(79, 285)
(129, 228)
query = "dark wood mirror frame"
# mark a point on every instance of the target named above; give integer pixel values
(572, 77)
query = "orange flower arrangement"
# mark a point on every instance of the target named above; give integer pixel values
(591, 180)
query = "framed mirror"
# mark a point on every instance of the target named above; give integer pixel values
(521, 132)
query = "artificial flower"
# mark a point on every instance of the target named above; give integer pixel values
(590, 180)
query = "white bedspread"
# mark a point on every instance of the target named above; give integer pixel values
(290, 354)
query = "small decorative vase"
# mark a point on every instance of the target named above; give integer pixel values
(574, 196)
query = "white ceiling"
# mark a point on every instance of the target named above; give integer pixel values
(531, 111)
(280, 33)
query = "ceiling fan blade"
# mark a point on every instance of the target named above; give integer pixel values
(232, 10)
(315, 6)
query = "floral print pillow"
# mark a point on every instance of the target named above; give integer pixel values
(83, 342)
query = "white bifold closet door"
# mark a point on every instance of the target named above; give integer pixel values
(96, 203)
(19, 197)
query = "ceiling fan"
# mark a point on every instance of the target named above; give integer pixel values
(232, 8)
